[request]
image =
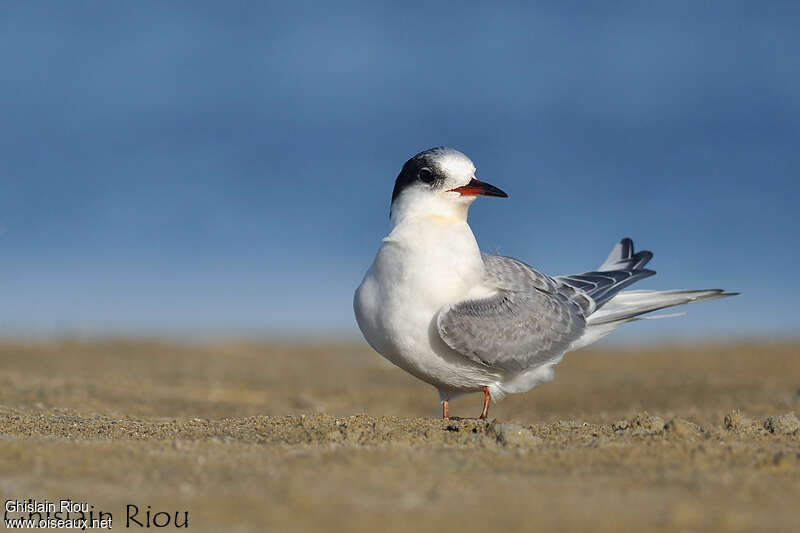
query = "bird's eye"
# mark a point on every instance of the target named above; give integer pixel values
(426, 175)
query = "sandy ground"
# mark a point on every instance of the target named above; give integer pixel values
(331, 438)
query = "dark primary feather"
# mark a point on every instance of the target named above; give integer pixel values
(623, 258)
(602, 286)
(622, 268)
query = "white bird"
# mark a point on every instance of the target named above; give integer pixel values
(464, 321)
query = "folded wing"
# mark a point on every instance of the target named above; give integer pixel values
(531, 320)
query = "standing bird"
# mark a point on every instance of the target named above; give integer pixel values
(464, 321)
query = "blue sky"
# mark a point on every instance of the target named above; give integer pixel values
(203, 168)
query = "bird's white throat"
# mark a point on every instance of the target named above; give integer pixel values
(441, 206)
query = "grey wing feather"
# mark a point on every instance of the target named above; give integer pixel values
(531, 320)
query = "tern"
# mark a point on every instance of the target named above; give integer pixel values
(465, 321)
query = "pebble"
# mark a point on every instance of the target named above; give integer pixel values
(509, 434)
(785, 424)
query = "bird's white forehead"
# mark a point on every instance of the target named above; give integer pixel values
(454, 164)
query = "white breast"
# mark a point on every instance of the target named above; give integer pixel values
(422, 265)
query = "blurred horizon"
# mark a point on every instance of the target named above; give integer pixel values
(199, 170)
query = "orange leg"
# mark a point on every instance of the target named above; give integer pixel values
(445, 410)
(486, 399)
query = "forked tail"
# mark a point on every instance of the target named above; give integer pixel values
(613, 306)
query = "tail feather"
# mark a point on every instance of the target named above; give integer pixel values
(628, 305)
(595, 332)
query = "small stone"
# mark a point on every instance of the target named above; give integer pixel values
(509, 434)
(734, 420)
(681, 428)
(646, 424)
(783, 424)
(620, 425)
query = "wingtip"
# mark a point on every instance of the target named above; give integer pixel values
(716, 294)
(627, 247)
(625, 250)
(722, 292)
